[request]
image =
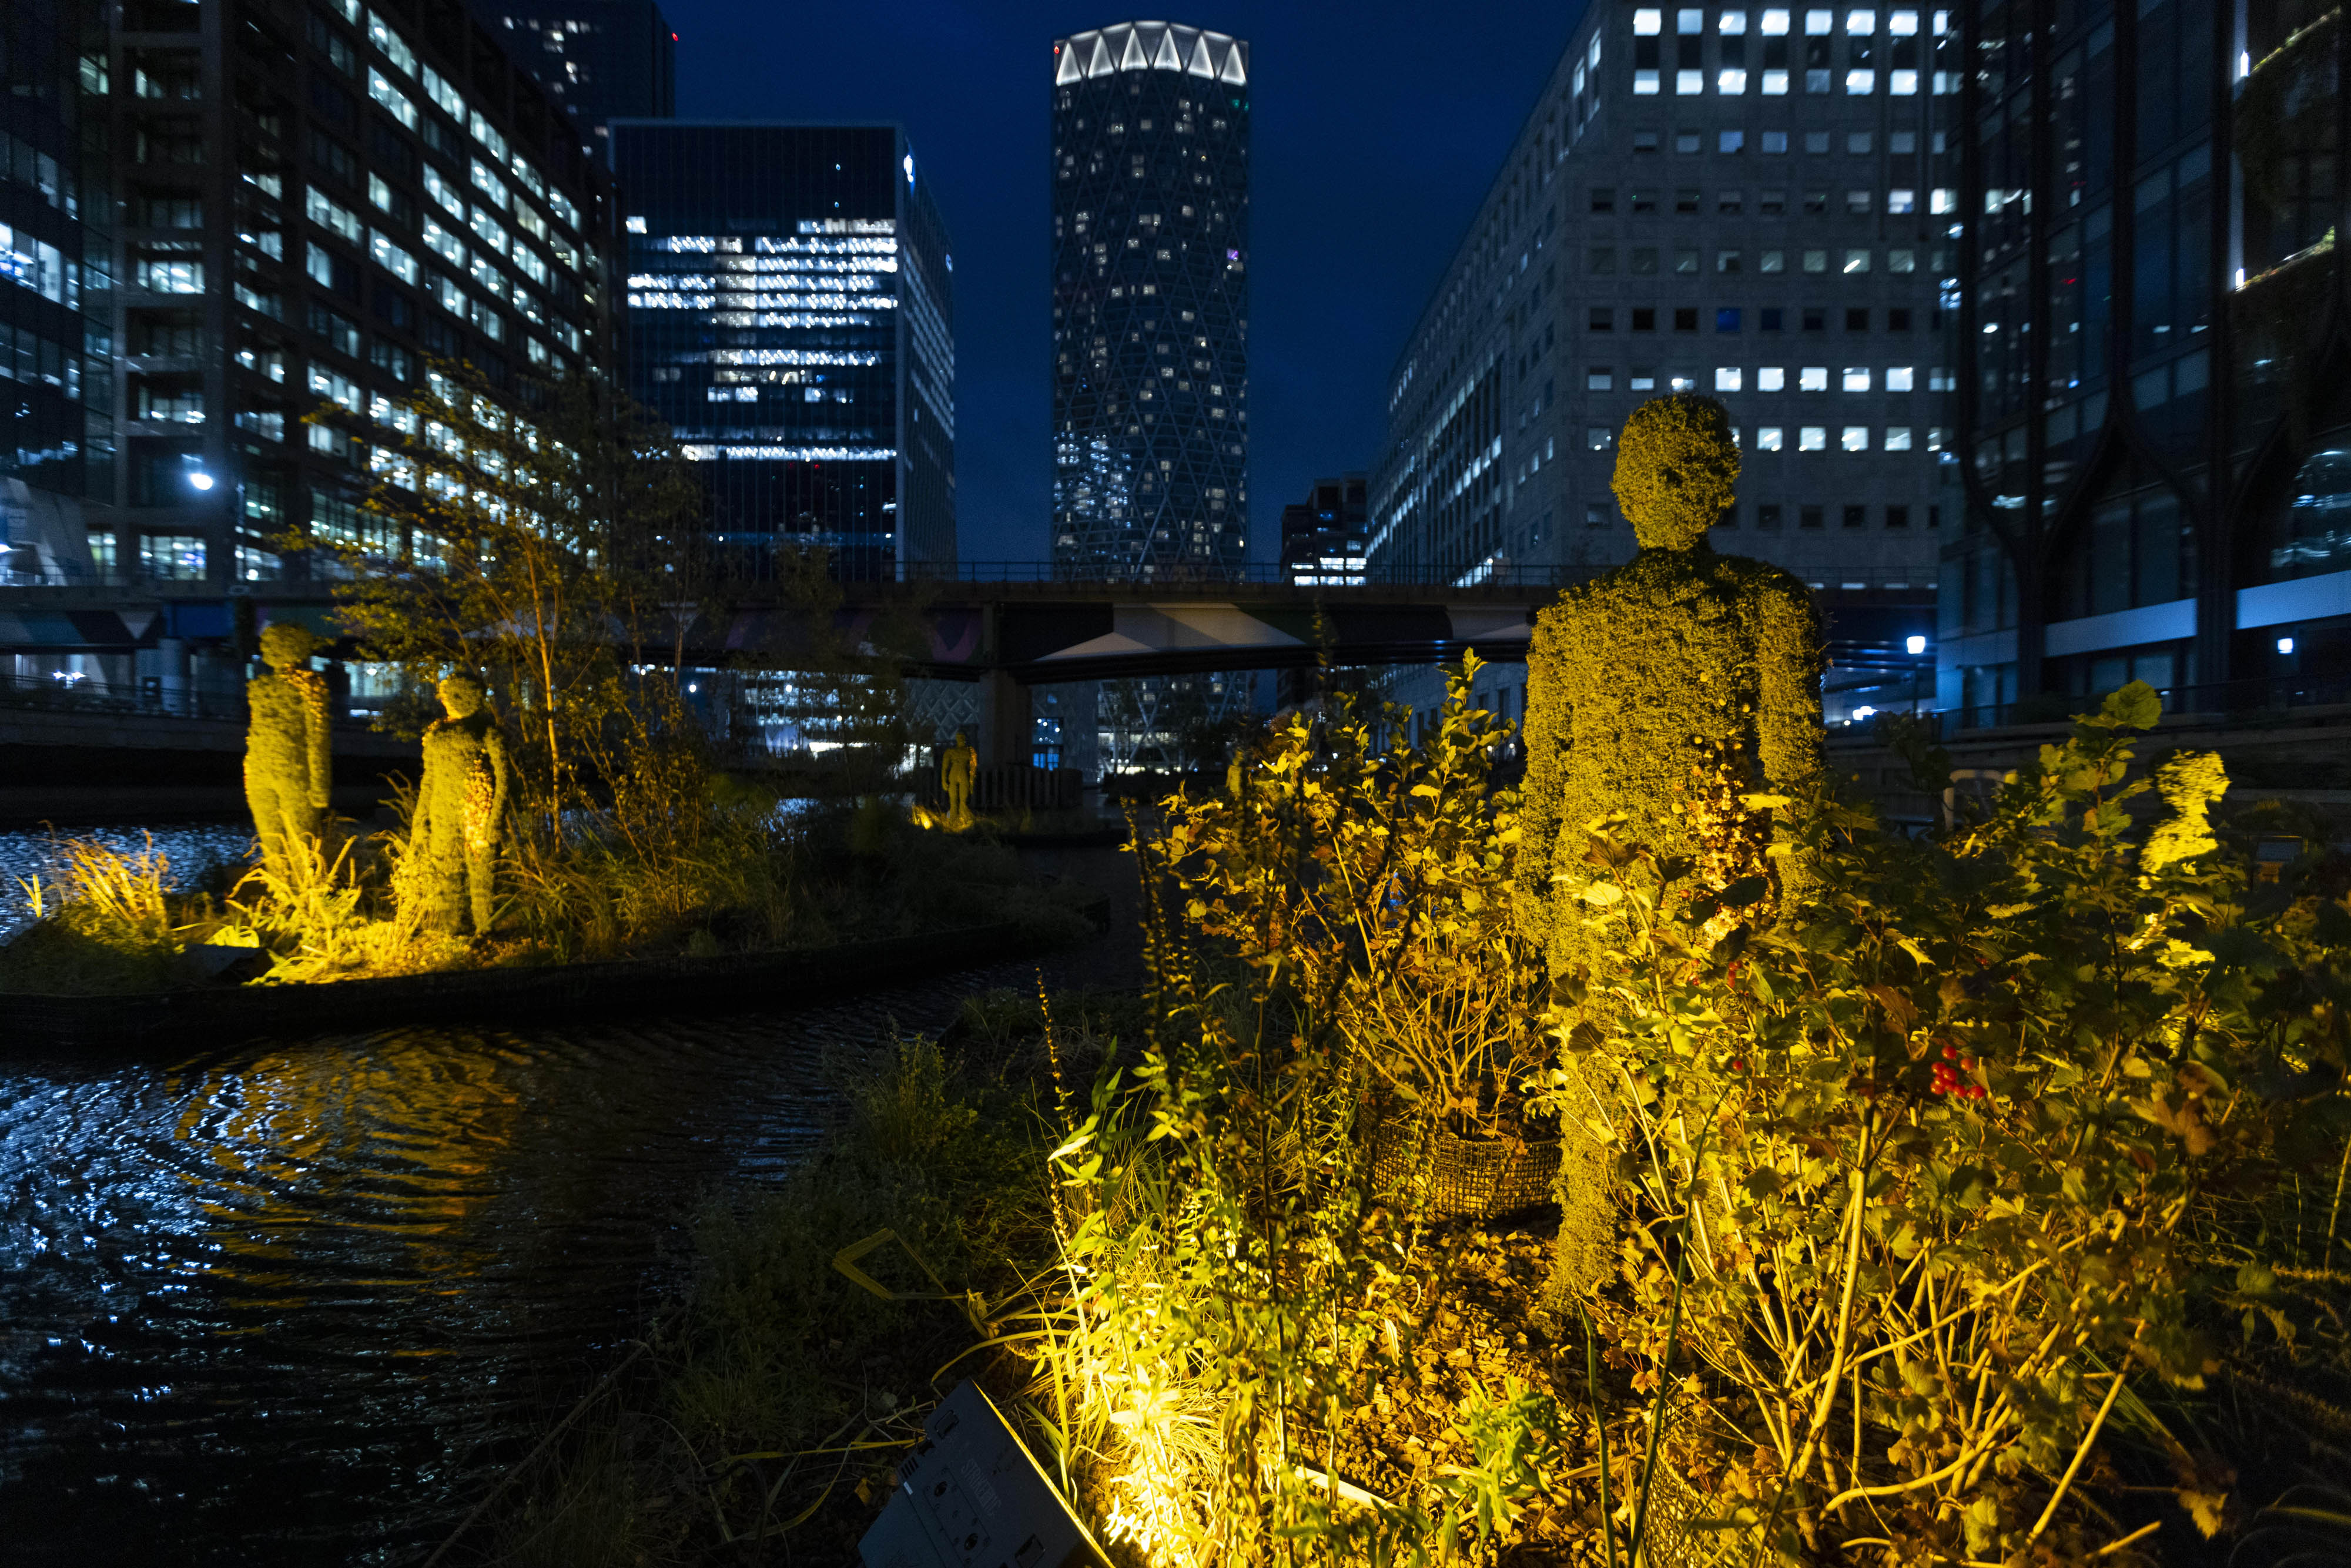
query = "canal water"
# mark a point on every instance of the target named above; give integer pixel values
(302, 1302)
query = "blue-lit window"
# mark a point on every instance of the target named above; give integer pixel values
(1726, 320)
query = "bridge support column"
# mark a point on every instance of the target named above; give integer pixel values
(1006, 726)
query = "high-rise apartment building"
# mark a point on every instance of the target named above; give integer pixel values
(791, 317)
(1752, 202)
(602, 59)
(313, 200)
(1150, 274)
(55, 200)
(1324, 537)
(2156, 341)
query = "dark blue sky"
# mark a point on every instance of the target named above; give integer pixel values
(1377, 128)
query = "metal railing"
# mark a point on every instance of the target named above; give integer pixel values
(2263, 699)
(151, 699)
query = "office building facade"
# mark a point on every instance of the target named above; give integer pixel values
(56, 200)
(1324, 536)
(1150, 278)
(791, 317)
(315, 200)
(1749, 203)
(602, 59)
(2156, 338)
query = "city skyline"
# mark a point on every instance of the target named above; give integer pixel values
(1352, 178)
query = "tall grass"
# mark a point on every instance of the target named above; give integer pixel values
(109, 922)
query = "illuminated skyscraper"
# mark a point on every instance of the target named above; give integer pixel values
(790, 318)
(1150, 301)
(602, 59)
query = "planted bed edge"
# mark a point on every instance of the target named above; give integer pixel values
(200, 1017)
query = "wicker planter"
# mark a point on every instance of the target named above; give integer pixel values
(1421, 1165)
(1671, 1538)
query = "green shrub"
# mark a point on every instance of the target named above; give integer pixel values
(1950, 1160)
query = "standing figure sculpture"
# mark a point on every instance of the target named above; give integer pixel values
(452, 842)
(1666, 690)
(288, 769)
(958, 765)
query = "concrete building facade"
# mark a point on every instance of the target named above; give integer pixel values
(1750, 203)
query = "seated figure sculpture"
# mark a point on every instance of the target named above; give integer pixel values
(1680, 681)
(288, 769)
(452, 841)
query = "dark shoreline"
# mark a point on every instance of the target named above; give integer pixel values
(734, 982)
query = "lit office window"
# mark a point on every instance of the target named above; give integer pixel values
(1727, 378)
(1898, 438)
(1812, 438)
(1771, 378)
(1813, 378)
(1897, 378)
(1855, 438)
(1856, 378)
(1597, 437)
(1766, 439)
(1856, 261)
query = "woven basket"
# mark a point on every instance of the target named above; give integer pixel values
(1670, 1537)
(1419, 1165)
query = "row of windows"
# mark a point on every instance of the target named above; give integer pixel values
(1770, 319)
(1731, 82)
(1859, 202)
(1809, 437)
(1775, 143)
(1689, 261)
(1774, 378)
(1776, 23)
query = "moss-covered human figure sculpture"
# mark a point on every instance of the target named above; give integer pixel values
(289, 766)
(453, 843)
(1666, 689)
(958, 765)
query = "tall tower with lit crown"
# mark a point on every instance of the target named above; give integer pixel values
(1149, 302)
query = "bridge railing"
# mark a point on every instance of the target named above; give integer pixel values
(1260, 572)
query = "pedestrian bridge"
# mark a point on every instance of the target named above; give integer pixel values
(1034, 631)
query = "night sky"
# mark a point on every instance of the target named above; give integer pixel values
(1376, 130)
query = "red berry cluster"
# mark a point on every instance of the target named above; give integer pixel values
(1949, 1079)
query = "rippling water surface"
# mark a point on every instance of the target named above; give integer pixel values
(302, 1303)
(193, 850)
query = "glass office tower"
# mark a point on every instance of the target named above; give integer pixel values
(1150, 301)
(2155, 347)
(602, 59)
(790, 317)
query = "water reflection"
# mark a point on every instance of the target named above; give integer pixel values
(299, 1304)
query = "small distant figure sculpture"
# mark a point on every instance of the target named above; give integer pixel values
(958, 765)
(289, 766)
(453, 843)
(1671, 689)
